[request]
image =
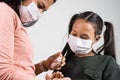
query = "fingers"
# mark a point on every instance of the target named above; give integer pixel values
(66, 78)
(51, 60)
(61, 79)
(54, 76)
(63, 61)
(57, 75)
(55, 56)
(55, 62)
(47, 77)
(60, 63)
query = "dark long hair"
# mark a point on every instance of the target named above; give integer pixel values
(109, 43)
(14, 4)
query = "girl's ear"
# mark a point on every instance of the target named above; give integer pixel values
(97, 38)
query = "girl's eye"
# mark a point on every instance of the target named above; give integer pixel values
(74, 34)
(84, 37)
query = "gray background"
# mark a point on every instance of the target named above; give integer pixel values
(48, 35)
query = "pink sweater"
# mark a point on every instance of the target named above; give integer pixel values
(16, 52)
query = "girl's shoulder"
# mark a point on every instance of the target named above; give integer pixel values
(108, 60)
(105, 58)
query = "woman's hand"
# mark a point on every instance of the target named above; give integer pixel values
(54, 62)
(56, 76)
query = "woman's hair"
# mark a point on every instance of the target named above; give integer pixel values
(109, 43)
(15, 4)
(54, 1)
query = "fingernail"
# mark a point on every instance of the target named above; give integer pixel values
(59, 59)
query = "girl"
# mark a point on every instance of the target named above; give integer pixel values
(82, 62)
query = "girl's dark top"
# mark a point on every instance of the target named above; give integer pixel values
(98, 67)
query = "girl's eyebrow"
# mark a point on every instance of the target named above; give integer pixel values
(84, 34)
(74, 30)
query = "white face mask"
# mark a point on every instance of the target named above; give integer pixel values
(78, 45)
(29, 14)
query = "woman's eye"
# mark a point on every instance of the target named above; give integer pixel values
(41, 5)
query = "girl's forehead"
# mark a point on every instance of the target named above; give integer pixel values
(83, 25)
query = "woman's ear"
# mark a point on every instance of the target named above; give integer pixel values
(97, 38)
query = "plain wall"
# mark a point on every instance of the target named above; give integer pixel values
(49, 34)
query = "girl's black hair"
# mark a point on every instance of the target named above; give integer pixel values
(109, 43)
(14, 4)
(54, 1)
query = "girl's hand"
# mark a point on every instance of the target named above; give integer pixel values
(54, 62)
(56, 76)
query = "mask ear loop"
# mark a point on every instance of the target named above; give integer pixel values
(21, 2)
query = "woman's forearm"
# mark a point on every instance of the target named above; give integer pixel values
(39, 68)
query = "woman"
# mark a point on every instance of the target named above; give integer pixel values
(84, 63)
(16, 52)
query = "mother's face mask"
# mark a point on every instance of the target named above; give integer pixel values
(30, 14)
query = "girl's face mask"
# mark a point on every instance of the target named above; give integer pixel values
(30, 14)
(78, 45)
